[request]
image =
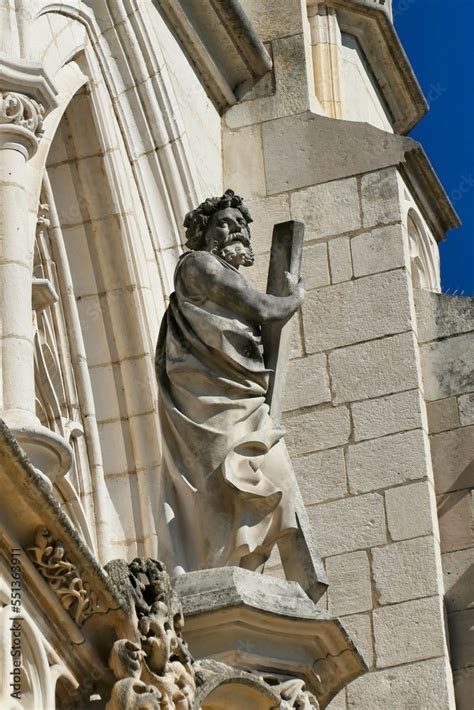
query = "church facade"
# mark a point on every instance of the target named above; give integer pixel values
(117, 118)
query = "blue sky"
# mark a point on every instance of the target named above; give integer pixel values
(437, 36)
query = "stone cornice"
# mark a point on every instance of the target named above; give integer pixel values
(27, 507)
(429, 193)
(28, 78)
(221, 43)
(370, 22)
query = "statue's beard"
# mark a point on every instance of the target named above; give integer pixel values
(237, 252)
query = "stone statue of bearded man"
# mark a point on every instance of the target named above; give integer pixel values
(228, 494)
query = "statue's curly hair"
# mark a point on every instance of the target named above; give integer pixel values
(197, 220)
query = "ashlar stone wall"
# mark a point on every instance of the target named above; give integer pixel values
(445, 329)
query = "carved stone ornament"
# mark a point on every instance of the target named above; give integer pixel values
(153, 667)
(20, 110)
(50, 560)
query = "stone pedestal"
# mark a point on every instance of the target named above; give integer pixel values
(266, 626)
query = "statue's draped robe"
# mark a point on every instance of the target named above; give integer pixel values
(226, 484)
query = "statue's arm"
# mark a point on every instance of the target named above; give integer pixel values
(233, 291)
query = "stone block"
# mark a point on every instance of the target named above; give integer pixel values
(340, 260)
(455, 511)
(411, 631)
(328, 209)
(380, 250)
(463, 685)
(453, 459)
(338, 315)
(316, 430)
(349, 590)
(315, 266)
(440, 315)
(387, 415)
(466, 409)
(279, 19)
(386, 462)
(380, 198)
(411, 510)
(458, 570)
(461, 636)
(307, 383)
(447, 367)
(373, 369)
(321, 476)
(349, 524)
(243, 161)
(442, 415)
(265, 214)
(359, 628)
(291, 95)
(109, 397)
(418, 686)
(116, 448)
(406, 570)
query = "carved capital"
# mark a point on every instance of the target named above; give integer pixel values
(20, 110)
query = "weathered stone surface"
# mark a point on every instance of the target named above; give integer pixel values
(325, 145)
(410, 510)
(340, 260)
(458, 572)
(447, 367)
(461, 636)
(411, 631)
(307, 383)
(316, 430)
(453, 459)
(337, 315)
(291, 96)
(359, 628)
(419, 686)
(327, 209)
(466, 409)
(406, 570)
(243, 148)
(442, 415)
(266, 213)
(280, 19)
(380, 197)
(339, 702)
(315, 266)
(372, 369)
(441, 315)
(349, 524)
(387, 415)
(380, 250)
(388, 461)
(455, 512)
(321, 476)
(349, 590)
(463, 685)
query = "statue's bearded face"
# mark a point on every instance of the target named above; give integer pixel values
(228, 236)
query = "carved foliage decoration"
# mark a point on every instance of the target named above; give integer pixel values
(153, 667)
(50, 559)
(20, 110)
